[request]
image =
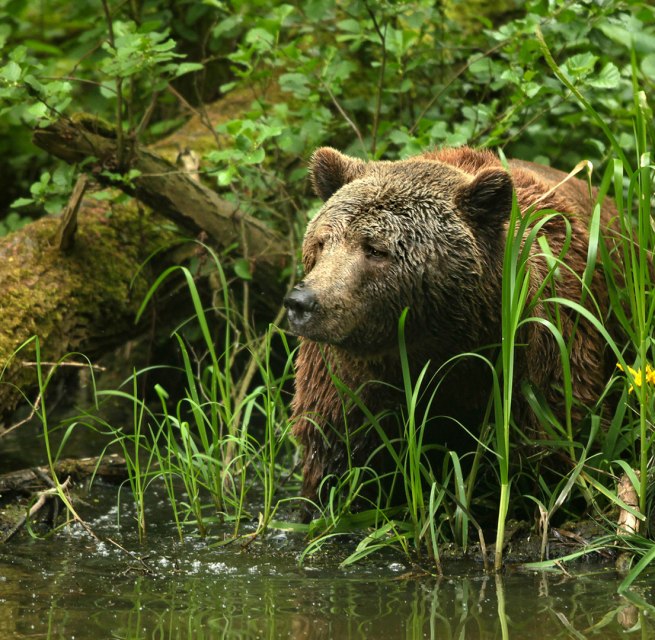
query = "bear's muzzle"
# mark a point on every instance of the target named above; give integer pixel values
(301, 305)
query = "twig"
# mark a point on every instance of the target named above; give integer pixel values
(119, 89)
(201, 77)
(45, 478)
(353, 126)
(20, 423)
(95, 367)
(94, 83)
(378, 104)
(132, 555)
(36, 507)
(201, 113)
(462, 70)
(147, 115)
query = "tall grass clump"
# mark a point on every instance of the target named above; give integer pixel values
(626, 259)
(629, 269)
(422, 499)
(218, 445)
(226, 434)
(635, 298)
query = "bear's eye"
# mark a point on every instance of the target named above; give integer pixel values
(374, 253)
(320, 243)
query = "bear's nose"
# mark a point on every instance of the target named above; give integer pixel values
(300, 304)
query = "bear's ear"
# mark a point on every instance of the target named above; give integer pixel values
(330, 170)
(487, 199)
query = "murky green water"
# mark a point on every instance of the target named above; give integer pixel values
(74, 586)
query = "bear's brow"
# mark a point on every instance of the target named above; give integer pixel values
(376, 236)
(374, 241)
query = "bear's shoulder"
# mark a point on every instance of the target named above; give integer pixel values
(466, 159)
(535, 184)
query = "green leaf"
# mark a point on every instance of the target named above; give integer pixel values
(53, 205)
(269, 131)
(36, 46)
(226, 26)
(350, 25)
(21, 202)
(224, 178)
(37, 110)
(10, 72)
(295, 83)
(19, 54)
(255, 156)
(648, 66)
(187, 67)
(481, 69)
(316, 10)
(5, 33)
(242, 269)
(608, 78)
(581, 64)
(261, 39)
(106, 194)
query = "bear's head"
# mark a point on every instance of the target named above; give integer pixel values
(417, 234)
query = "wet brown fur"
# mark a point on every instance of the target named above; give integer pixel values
(469, 235)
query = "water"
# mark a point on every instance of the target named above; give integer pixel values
(72, 585)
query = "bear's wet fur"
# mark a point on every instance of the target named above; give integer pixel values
(428, 234)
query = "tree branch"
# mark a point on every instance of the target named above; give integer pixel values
(169, 191)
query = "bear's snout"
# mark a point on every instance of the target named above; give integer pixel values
(301, 303)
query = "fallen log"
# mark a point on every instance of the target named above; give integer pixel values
(111, 468)
(38, 485)
(169, 191)
(73, 284)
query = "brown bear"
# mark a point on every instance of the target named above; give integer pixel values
(428, 234)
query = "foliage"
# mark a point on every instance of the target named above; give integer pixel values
(553, 81)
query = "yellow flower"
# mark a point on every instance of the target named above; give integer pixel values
(638, 377)
(650, 375)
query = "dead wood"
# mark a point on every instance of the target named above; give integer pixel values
(77, 285)
(37, 483)
(111, 468)
(170, 192)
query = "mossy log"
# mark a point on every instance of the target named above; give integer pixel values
(169, 191)
(84, 298)
(81, 300)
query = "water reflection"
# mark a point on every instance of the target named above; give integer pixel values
(75, 587)
(71, 586)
